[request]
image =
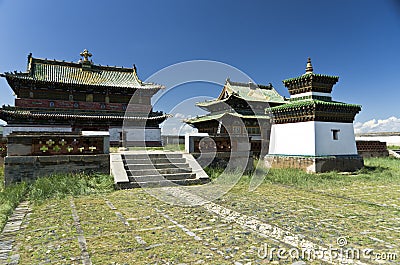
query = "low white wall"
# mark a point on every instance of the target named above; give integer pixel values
(189, 140)
(141, 134)
(390, 140)
(15, 128)
(115, 134)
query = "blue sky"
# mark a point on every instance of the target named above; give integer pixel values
(358, 40)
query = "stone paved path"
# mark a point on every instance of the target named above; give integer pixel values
(8, 248)
(132, 227)
(81, 238)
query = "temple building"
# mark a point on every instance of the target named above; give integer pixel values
(239, 111)
(311, 131)
(59, 96)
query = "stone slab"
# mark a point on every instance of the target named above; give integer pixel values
(117, 169)
(28, 168)
(316, 164)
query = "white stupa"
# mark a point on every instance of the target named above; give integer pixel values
(312, 131)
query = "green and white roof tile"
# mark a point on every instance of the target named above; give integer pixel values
(81, 73)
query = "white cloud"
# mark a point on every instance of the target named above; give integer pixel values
(181, 116)
(176, 126)
(391, 124)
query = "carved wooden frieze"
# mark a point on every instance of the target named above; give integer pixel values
(67, 146)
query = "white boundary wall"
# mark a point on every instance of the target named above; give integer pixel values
(15, 128)
(389, 140)
(141, 134)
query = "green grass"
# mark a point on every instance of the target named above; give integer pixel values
(10, 197)
(63, 185)
(393, 147)
(57, 186)
(114, 149)
(320, 207)
(213, 172)
(385, 170)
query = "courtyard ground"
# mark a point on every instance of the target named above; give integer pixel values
(346, 212)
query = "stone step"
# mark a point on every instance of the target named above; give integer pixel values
(163, 183)
(148, 178)
(156, 170)
(151, 156)
(155, 161)
(132, 172)
(152, 166)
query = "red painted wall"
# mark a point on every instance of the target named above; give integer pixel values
(62, 104)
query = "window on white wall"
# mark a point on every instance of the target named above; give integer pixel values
(335, 134)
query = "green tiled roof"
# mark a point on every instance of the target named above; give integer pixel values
(210, 102)
(253, 92)
(220, 115)
(311, 102)
(86, 73)
(309, 75)
(258, 93)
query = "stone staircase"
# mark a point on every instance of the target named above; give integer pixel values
(156, 169)
(394, 153)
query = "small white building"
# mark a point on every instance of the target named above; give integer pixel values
(312, 131)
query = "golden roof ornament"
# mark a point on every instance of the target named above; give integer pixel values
(86, 54)
(309, 68)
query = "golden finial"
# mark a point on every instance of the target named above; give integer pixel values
(309, 68)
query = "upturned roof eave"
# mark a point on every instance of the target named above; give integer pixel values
(205, 118)
(30, 79)
(55, 115)
(313, 102)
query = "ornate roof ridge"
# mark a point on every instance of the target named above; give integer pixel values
(261, 86)
(211, 101)
(79, 65)
(82, 72)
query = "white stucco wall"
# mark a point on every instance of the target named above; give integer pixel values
(311, 94)
(9, 129)
(324, 143)
(292, 139)
(312, 139)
